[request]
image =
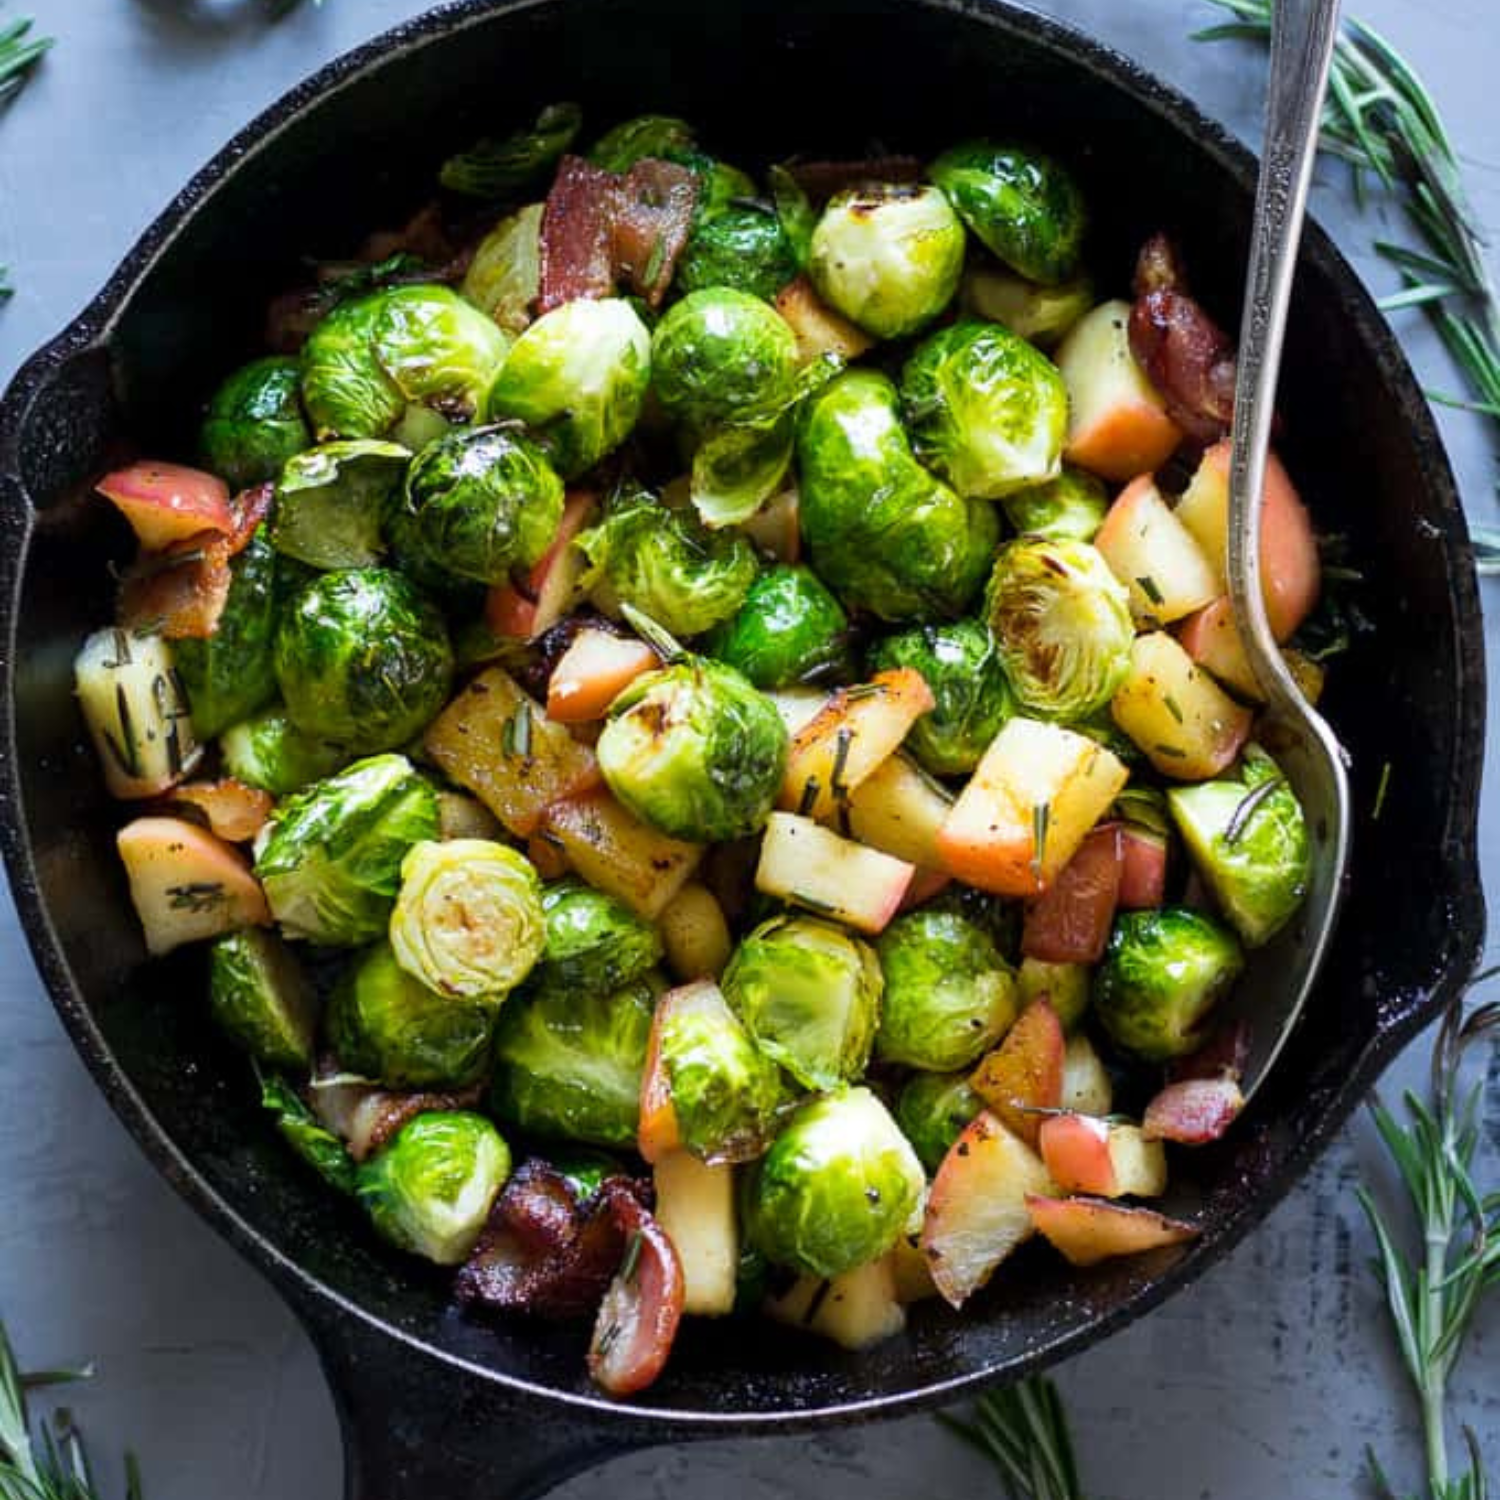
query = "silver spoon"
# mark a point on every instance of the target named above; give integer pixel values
(1271, 994)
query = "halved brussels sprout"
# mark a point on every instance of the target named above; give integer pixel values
(932, 1110)
(231, 673)
(468, 918)
(666, 564)
(385, 1024)
(331, 863)
(1070, 507)
(308, 1137)
(363, 659)
(790, 629)
(1161, 975)
(331, 501)
(372, 358)
(809, 992)
(255, 422)
(884, 534)
(483, 502)
(974, 698)
(949, 996)
(268, 751)
(594, 942)
(984, 409)
(260, 996)
(695, 750)
(836, 1188)
(622, 146)
(1065, 987)
(738, 467)
(1024, 206)
(431, 1189)
(720, 354)
(1061, 623)
(569, 1063)
(498, 168)
(1247, 836)
(577, 377)
(742, 247)
(887, 256)
(505, 276)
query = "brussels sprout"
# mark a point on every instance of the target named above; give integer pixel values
(330, 502)
(385, 1024)
(230, 674)
(260, 996)
(577, 377)
(719, 184)
(666, 564)
(431, 1189)
(1247, 837)
(301, 1129)
(742, 247)
(836, 1188)
(884, 534)
(695, 750)
(505, 276)
(1042, 315)
(888, 257)
(1065, 987)
(984, 409)
(974, 698)
(594, 942)
(497, 168)
(1160, 976)
(362, 658)
(468, 917)
(568, 1063)
(483, 502)
(620, 148)
(725, 1092)
(254, 422)
(794, 212)
(1061, 623)
(932, 1110)
(583, 1169)
(738, 467)
(331, 863)
(809, 993)
(268, 751)
(721, 354)
(371, 358)
(1070, 507)
(949, 996)
(790, 629)
(1024, 206)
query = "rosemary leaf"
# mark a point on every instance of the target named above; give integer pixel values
(1023, 1431)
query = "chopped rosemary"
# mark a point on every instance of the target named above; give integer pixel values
(1023, 1430)
(1041, 819)
(1149, 589)
(862, 690)
(815, 1302)
(1248, 805)
(515, 738)
(813, 903)
(657, 637)
(843, 742)
(1173, 708)
(196, 895)
(1380, 792)
(632, 1259)
(1172, 752)
(20, 52)
(809, 797)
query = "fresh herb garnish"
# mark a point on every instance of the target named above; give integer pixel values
(1041, 819)
(1380, 791)
(19, 54)
(1248, 806)
(1149, 588)
(1023, 1430)
(493, 168)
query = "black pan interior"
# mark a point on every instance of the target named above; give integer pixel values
(764, 80)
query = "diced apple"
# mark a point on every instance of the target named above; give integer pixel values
(548, 856)
(1088, 1230)
(612, 849)
(186, 884)
(855, 1310)
(776, 528)
(976, 1208)
(1070, 922)
(1118, 425)
(534, 605)
(1291, 572)
(1039, 314)
(811, 867)
(461, 816)
(496, 741)
(694, 934)
(1307, 674)
(658, 1134)
(850, 737)
(235, 812)
(1212, 639)
(695, 1204)
(925, 884)
(817, 328)
(1065, 987)
(1024, 1074)
(798, 706)
(597, 666)
(1086, 1087)
(1194, 1111)
(1223, 1055)
(910, 1267)
(167, 503)
(898, 809)
(1183, 721)
(1086, 1154)
(1143, 868)
(1028, 806)
(1155, 556)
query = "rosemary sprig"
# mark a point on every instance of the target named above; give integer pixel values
(19, 54)
(1023, 1429)
(50, 1464)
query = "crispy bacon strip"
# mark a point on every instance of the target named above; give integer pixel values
(1185, 354)
(654, 206)
(820, 180)
(578, 234)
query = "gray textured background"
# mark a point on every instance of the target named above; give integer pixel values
(1265, 1379)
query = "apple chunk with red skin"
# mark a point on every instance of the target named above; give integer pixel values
(525, 610)
(1085, 1154)
(1194, 1111)
(1088, 1230)
(167, 503)
(1024, 1074)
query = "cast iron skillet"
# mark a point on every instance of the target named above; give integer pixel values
(439, 1408)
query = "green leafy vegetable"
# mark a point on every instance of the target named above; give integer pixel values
(493, 168)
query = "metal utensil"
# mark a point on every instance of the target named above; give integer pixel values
(1272, 993)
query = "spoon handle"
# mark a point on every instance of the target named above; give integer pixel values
(1302, 40)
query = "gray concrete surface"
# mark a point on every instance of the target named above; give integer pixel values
(1265, 1379)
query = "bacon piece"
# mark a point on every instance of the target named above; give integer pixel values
(1185, 354)
(578, 234)
(235, 812)
(641, 1311)
(423, 235)
(820, 180)
(1194, 1111)
(180, 591)
(654, 206)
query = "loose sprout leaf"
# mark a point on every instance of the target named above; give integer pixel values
(493, 168)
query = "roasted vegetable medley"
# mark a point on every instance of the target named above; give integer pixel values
(697, 719)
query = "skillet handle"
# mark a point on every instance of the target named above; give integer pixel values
(416, 1429)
